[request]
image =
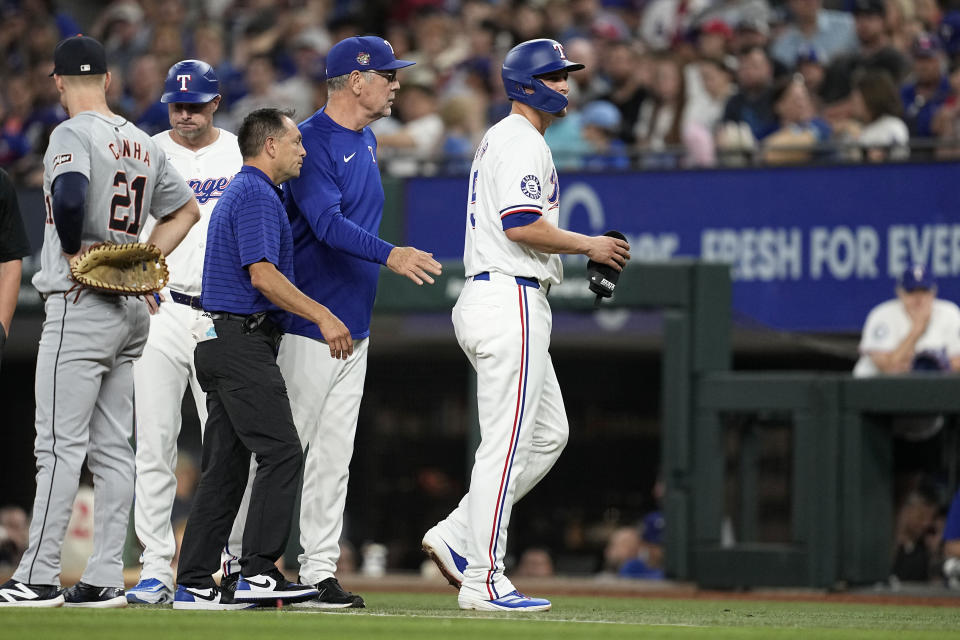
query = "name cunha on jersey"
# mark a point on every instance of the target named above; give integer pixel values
(123, 148)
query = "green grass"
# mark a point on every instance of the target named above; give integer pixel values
(416, 616)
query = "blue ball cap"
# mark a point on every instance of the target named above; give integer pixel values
(602, 114)
(653, 528)
(916, 277)
(926, 45)
(362, 53)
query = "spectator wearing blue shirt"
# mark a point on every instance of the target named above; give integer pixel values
(335, 207)
(247, 281)
(600, 122)
(753, 103)
(929, 88)
(829, 32)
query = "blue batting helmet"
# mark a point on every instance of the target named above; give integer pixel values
(190, 81)
(535, 58)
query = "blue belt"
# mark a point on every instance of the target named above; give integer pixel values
(527, 282)
(191, 301)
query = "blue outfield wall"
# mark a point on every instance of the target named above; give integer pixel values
(812, 249)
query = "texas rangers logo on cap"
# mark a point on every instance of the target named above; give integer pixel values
(363, 58)
(530, 186)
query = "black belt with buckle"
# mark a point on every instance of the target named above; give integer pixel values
(254, 322)
(191, 301)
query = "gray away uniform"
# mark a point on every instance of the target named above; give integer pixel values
(84, 384)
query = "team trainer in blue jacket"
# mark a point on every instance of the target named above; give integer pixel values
(335, 207)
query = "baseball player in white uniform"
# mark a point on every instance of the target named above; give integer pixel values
(503, 321)
(208, 158)
(914, 323)
(102, 176)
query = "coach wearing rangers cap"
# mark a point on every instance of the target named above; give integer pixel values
(335, 208)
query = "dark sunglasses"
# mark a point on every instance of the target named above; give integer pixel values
(389, 76)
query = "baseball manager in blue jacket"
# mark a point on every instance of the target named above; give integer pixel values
(335, 208)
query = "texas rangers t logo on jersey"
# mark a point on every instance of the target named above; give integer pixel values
(182, 79)
(530, 185)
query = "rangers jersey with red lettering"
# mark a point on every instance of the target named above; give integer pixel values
(207, 172)
(512, 175)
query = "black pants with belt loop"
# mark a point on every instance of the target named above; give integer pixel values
(249, 411)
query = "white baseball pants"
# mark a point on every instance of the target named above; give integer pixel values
(504, 329)
(325, 397)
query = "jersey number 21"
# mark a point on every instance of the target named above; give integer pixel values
(124, 211)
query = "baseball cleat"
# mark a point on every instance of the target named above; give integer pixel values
(951, 571)
(451, 564)
(87, 595)
(333, 596)
(20, 594)
(513, 601)
(206, 599)
(271, 587)
(149, 591)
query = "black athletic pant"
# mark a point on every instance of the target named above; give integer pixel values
(248, 411)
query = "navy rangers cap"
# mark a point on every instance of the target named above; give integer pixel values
(916, 277)
(362, 53)
(79, 55)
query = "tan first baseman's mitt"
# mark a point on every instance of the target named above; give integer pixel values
(126, 269)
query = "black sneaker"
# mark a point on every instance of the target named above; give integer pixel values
(87, 595)
(332, 596)
(20, 594)
(228, 585)
(271, 587)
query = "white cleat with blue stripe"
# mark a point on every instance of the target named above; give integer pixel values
(150, 591)
(513, 601)
(451, 564)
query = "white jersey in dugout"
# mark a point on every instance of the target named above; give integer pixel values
(512, 173)
(207, 172)
(888, 325)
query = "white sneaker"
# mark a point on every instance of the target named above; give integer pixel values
(271, 587)
(149, 591)
(206, 599)
(451, 564)
(513, 601)
(951, 571)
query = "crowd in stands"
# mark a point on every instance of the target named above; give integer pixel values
(668, 83)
